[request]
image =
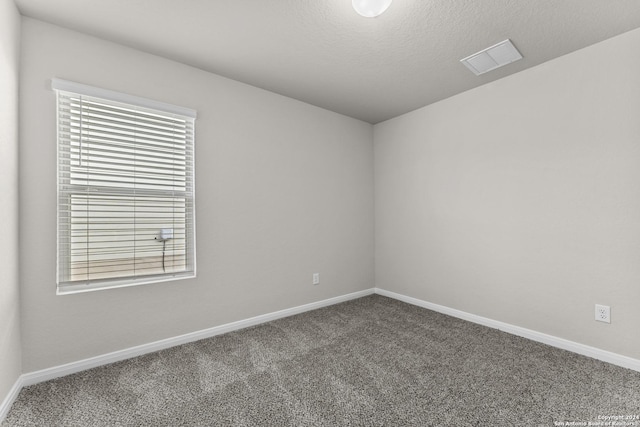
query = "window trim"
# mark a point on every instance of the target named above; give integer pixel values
(59, 85)
(110, 95)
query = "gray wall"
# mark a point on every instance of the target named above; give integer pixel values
(516, 201)
(284, 189)
(519, 201)
(9, 286)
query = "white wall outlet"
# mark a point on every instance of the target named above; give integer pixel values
(603, 313)
(316, 278)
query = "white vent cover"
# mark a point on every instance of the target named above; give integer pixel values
(492, 57)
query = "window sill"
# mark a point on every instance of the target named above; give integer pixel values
(67, 289)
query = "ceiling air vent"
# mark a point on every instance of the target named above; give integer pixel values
(492, 57)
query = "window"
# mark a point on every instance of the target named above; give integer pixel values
(125, 189)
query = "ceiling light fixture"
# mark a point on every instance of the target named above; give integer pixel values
(371, 8)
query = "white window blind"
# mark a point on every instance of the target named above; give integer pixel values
(125, 190)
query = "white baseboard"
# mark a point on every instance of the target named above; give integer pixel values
(116, 356)
(585, 350)
(10, 398)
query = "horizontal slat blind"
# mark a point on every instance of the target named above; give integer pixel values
(125, 193)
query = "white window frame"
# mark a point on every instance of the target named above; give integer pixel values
(147, 105)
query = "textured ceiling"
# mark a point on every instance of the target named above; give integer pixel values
(324, 53)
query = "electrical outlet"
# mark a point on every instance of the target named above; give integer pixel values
(603, 313)
(316, 278)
